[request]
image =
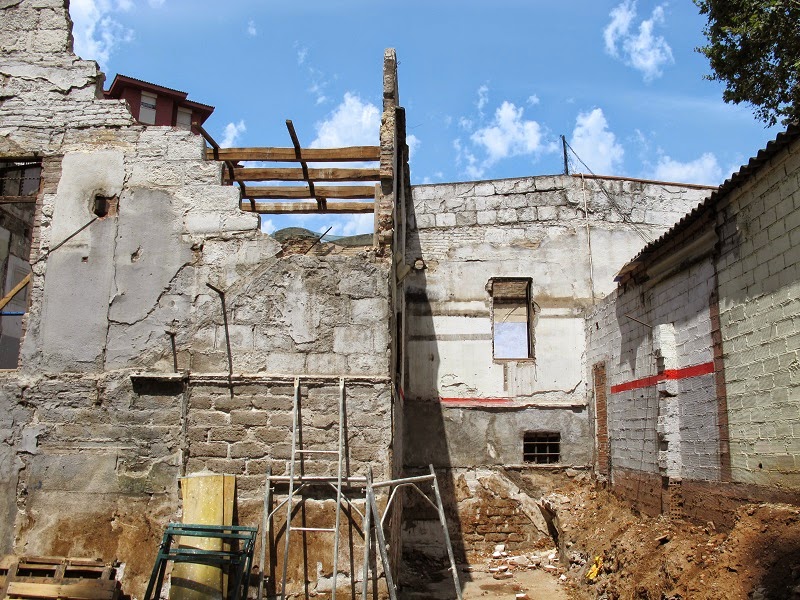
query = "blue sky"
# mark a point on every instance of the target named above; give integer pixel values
(488, 87)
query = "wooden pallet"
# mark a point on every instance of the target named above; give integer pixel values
(57, 578)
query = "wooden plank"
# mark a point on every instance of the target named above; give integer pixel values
(17, 199)
(276, 208)
(76, 591)
(10, 295)
(349, 154)
(358, 192)
(293, 174)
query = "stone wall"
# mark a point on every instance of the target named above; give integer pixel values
(133, 370)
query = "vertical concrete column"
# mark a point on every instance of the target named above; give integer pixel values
(668, 428)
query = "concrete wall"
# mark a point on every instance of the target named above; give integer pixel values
(96, 428)
(467, 413)
(470, 233)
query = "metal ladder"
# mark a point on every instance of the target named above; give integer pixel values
(298, 454)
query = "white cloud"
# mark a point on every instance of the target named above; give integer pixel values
(705, 169)
(353, 123)
(483, 98)
(268, 226)
(595, 144)
(508, 134)
(413, 143)
(467, 161)
(96, 32)
(533, 100)
(640, 49)
(232, 133)
(302, 53)
(251, 28)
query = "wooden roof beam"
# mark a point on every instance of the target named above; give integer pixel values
(294, 174)
(356, 192)
(348, 154)
(275, 208)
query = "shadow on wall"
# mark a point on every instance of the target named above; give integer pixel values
(425, 559)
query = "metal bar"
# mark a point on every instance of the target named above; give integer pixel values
(295, 412)
(227, 334)
(338, 493)
(387, 571)
(319, 479)
(317, 452)
(324, 529)
(318, 240)
(304, 168)
(171, 335)
(282, 502)
(446, 532)
(392, 482)
(266, 529)
(367, 539)
(389, 504)
(349, 502)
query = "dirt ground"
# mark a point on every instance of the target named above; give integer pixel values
(638, 557)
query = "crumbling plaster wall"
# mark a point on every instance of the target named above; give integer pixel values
(467, 413)
(94, 434)
(469, 233)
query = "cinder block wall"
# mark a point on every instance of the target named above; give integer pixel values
(664, 428)
(759, 289)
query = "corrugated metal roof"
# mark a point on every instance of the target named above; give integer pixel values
(782, 140)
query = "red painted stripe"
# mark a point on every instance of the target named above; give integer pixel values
(684, 373)
(476, 401)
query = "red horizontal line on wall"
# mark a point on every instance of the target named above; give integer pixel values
(476, 401)
(684, 373)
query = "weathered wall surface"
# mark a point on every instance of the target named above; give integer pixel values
(467, 413)
(759, 291)
(95, 430)
(535, 228)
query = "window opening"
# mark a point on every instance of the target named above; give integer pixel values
(511, 319)
(20, 179)
(147, 109)
(541, 447)
(105, 206)
(184, 119)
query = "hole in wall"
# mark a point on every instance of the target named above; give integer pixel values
(105, 206)
(541, 447)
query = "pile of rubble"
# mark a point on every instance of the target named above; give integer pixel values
(502, 565)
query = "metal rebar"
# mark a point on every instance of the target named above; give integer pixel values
(449, 545)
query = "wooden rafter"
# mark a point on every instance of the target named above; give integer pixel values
(319, 195)
(355, 192)
(274, 208)
(348, 154)
(293, 174)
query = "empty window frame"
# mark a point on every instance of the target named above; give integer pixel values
(541, 447)
(147, 108)
(512, 336)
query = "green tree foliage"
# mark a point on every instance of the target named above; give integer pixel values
(754, 48)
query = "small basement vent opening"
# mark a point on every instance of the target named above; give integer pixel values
(541, 447)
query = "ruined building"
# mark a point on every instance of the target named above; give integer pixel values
(165, 335)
